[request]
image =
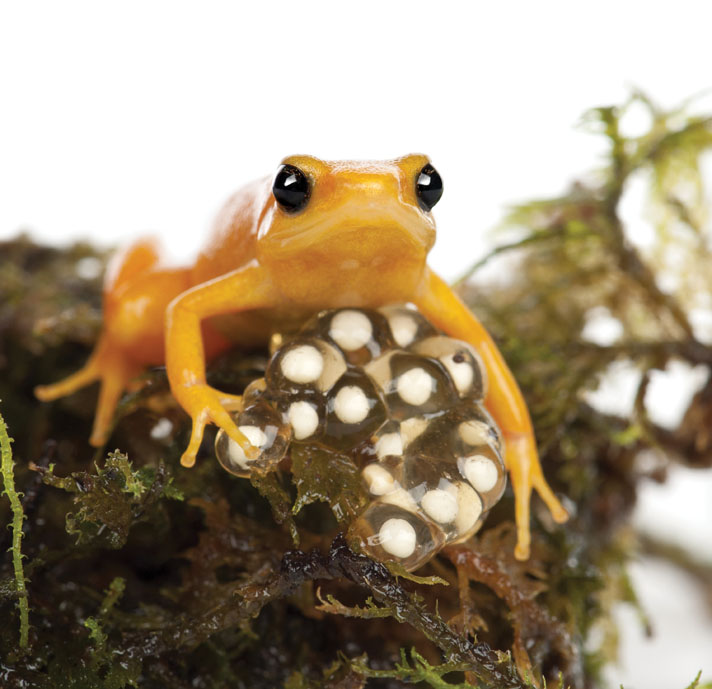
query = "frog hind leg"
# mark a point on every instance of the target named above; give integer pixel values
(113, 369)
(122, 270)
(136, 295)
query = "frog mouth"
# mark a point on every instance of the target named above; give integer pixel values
(372, 230)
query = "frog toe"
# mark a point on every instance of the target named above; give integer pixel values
(113, 384)
(558, 511)
(196, 438)
(522, 496)
(206, 406)
(85, 376)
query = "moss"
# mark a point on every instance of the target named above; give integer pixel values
(328, 477)
(8, 477)
(142, 573)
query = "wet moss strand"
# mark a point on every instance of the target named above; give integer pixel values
(8, 477)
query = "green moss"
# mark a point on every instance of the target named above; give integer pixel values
(109, 502)
(417, 670)
(8, 478)
(321, 476)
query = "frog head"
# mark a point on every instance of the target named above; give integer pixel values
(336, 233)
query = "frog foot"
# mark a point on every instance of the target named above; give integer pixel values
(526, 474)
(208, 405)
(113, 369)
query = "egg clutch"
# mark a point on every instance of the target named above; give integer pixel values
(405, 402)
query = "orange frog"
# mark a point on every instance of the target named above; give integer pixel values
(319, 235)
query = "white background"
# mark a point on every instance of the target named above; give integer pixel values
(118, 119)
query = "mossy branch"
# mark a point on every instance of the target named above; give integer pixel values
(417, 672)
(8, 477)
(490, 668)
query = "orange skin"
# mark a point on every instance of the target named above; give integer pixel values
(361, 240)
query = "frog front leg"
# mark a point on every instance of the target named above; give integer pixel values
(442, 307)
(241, 290)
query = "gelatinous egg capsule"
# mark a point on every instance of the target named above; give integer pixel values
(305, 416)
(304, 365)
(382, 478)
(413, 428)
(393, 438)
(456, 508)
(354, 410)
(387, 441)
(458, 430)
(360, 334)
(484, 471)
(468, 433)
(474, 426)
(470, 514)
(413, 385)
(264, 429)
(432, 485)
(254, 392)
(428, 436)
(461, 443)
(422, 473)
(406, 325)
(434, 489)
(387, 531)
(462, 362)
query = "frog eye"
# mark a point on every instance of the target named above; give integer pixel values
(290, 188)
(428, 187)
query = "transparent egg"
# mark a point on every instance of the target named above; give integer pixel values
(254, 391)
(413, 385)
(451, 506)
(422, 473)
(484, 471)
(413, 428)
(305, 415)
(382, 478)
(265, 429)
(461, 444)
(388, 441)
(462, 362)
(456, 432)
(297, 378)
(360, 334)
(407, 325)
(388, 531)
(470, 514)
(354, 410)
(303, 365)
(475, 427)
(477, 443)
(436, 489)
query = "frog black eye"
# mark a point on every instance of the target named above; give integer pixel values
(428, 187)
(291, 188)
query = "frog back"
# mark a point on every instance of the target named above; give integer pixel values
(231, 243)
